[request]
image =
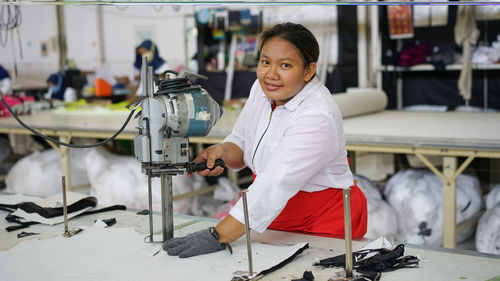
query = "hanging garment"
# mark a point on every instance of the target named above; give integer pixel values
(466, 34)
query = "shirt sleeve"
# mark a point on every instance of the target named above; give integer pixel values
(303, 151)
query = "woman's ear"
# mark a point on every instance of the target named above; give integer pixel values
(310, 71)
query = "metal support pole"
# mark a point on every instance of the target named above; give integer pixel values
(150, 198)
(167, 216)
(247, 232)
(65, 160)
(348, 233)
(65, 206)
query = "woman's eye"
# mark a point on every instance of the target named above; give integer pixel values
(285, 65)
(264, 62)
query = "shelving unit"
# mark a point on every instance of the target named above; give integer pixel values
(429, 67)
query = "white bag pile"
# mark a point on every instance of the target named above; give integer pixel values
(39, 173)
(488, 228)
(117, 179)
(417, 197)
(382, 219)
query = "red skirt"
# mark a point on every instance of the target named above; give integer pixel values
(322, 213)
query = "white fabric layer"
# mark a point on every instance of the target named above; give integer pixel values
(120, 254)
(303, 148)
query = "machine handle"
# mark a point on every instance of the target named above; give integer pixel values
(200, 166)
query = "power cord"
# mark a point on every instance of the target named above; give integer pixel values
(62, 143)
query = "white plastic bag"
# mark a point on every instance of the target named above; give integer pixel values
(488, 231)
(117, 179)
(493, 197)
(382, 219)
(417, 197)
(39, 173)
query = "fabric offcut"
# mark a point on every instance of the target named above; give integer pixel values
(370, 267)
(50, 210)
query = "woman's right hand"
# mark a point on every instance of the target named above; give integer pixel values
(209, 155)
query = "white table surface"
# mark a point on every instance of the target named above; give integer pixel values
(437, 264)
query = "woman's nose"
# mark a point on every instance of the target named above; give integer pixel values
(272, 73)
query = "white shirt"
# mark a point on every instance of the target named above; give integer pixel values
(70, 95)
(303, 148)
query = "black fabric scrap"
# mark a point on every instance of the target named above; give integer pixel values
(24, 234)
(143, 212)
(385, 260)
(109, 222)
(8, 207)
(15, 219)
(307, 276)
(285, 262)
(48, 212)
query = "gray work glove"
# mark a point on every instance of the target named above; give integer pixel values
(198, 243)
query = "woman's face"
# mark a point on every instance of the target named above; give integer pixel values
(281, 71)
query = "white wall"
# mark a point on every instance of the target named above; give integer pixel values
(81, 36)
(120, 29)
(38, 25)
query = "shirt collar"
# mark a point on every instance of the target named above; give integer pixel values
(300, 96)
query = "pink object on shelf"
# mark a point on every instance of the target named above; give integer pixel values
(12, 101)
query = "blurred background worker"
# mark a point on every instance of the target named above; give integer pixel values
(4, 81)
(59, 89)
(146, 48)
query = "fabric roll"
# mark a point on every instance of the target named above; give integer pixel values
(361, 102)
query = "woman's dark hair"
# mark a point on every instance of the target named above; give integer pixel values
(297, 35)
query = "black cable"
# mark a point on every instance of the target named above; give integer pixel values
(62, 143)
(9, 19)
(175, 85)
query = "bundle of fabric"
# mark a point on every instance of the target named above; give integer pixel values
(415, 53)
(417, 197)
(382, 219)
(488, 228)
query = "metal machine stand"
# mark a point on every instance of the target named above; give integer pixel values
(348, 233)
(167, 211)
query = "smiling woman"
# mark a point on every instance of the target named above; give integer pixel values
(290, 134)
